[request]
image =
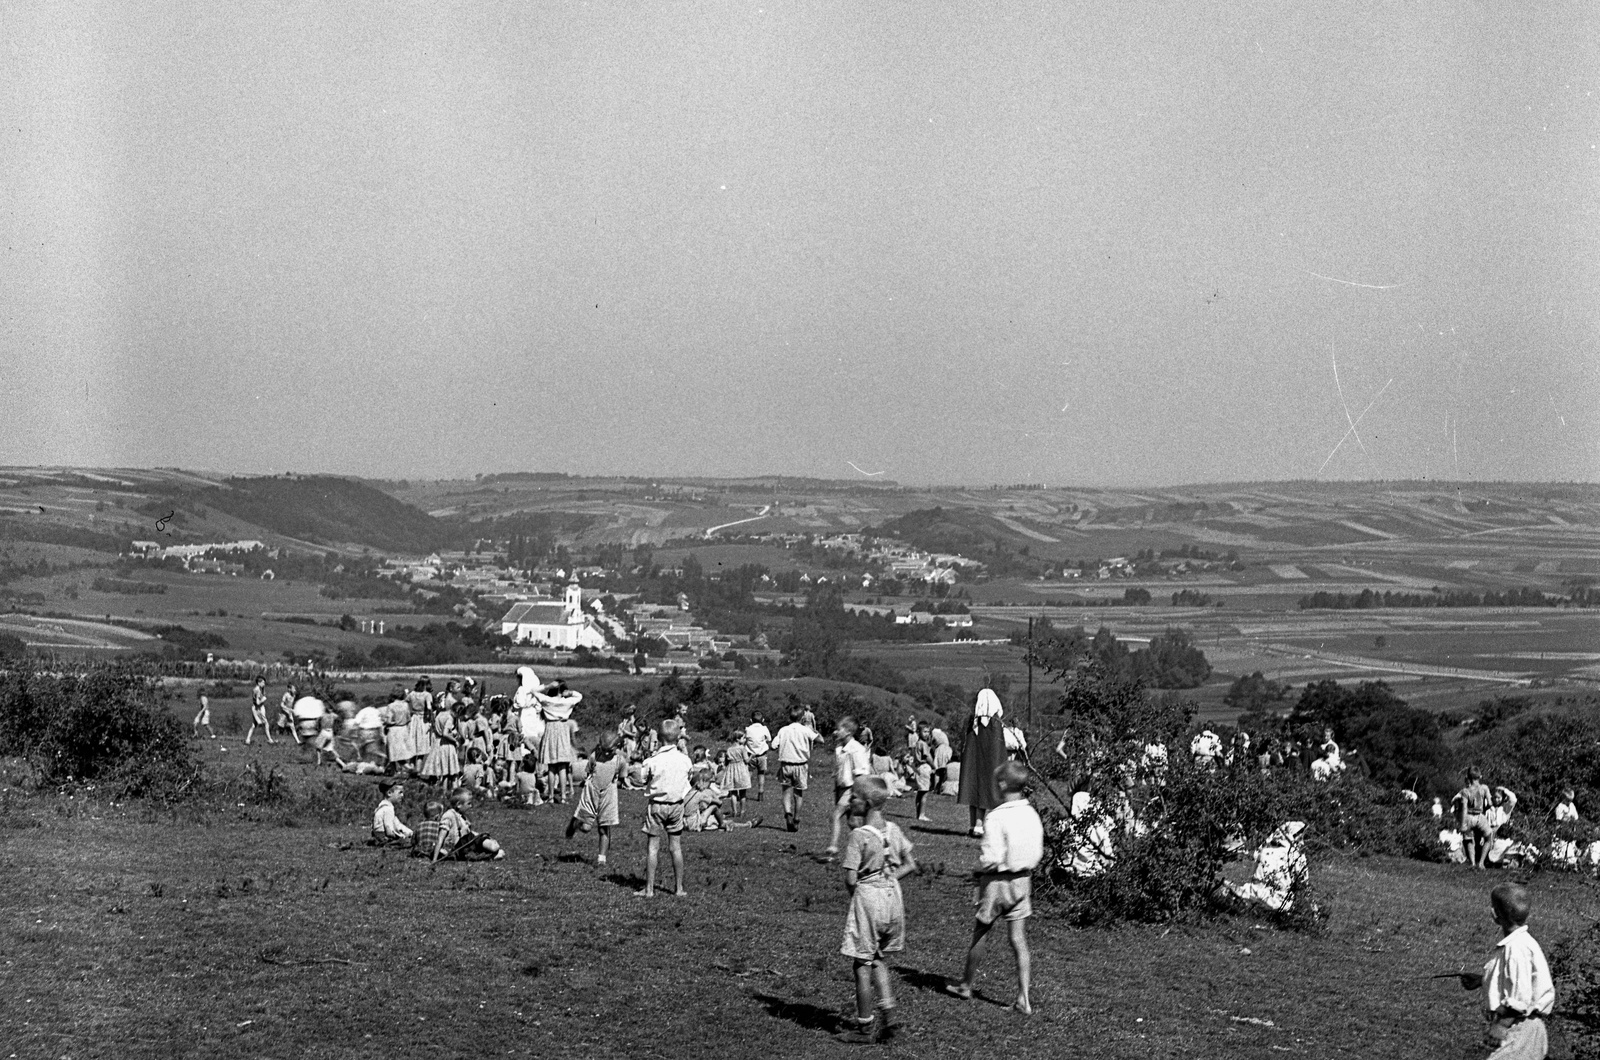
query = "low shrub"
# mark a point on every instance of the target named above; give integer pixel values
(106, 727)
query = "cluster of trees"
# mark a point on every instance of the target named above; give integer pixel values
(1191, 598)
(1172, 661)
(1367, 599)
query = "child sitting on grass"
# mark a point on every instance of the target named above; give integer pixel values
(876, 856)
(429, 831)
(457, 840)
(527, 783)
(1517, 989)
(475, 775)
(1013, 844)
(387, 828)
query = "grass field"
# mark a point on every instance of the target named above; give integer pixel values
(251, 931)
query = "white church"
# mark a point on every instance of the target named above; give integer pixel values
(554, 625)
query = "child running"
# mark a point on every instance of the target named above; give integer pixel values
(876, 856)
(258, 712)
(666, 782)
(1517, 989)
(1013, 843)
(203, 715)
(597, 802)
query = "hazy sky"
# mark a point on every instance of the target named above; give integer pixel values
(1119, 243)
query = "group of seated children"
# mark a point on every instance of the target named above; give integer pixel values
(443, 835)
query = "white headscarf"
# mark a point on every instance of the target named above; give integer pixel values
(987, 709)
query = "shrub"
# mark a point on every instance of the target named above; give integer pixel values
(105, 726)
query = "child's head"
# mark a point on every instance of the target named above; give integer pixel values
(630, 710)
(1511, 905)
(606, 746)
(461, 798)
(433, 810)
(758, 717)
(475, 755)
(869, 793)
(1474, 774)
(797, 712)
(671, 729)
(1011, 777)
(699, 753)
(865, 736)
(845, 729)
(391, 788)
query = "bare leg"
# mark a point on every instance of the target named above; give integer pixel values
(605, 842)
(1019, 943)
(841, 809)
(651, 857)
(884, 986)
(980, 942)
(676, 843)
(864, 970)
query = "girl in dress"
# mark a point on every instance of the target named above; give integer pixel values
(555, 749)
(597, 803)
(443, 761)
(736, 774)
(397, 742)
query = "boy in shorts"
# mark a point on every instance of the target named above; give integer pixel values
(876, 856)
(1013, 843)
(794, 742)
(666, 783)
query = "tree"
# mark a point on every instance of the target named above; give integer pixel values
(1255, 693)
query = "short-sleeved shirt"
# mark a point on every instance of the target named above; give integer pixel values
(759, 737)
(794, 742)
(850, 763)
(666, 775)
(369, 718)
(875, 854)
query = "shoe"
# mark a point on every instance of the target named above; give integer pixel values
(601, 860)
(887, 1025)
(860, 1034)
(924, 817)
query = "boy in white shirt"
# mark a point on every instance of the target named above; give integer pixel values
(387, 828)
(1013, 844)
(666, 783)
(1517, 989)
(758, 738)
(794, 742)
(850, 762)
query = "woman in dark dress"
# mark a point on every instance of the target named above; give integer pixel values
(983, 749)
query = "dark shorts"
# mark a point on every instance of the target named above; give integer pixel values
(663, 818)
(470, 846)
(796, 776)
(758, 763)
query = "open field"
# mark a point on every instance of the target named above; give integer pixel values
(134, 933)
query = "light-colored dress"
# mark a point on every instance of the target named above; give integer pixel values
(443, 760)
(397, 739)
(555, 749)
(736, 778)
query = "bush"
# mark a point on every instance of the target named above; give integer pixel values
(106, 727)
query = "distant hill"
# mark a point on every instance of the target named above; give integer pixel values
(328, 510)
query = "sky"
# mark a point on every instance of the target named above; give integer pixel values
(1133, 243)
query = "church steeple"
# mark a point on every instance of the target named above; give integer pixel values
(574, 597)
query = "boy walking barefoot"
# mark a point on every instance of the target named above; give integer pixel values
(850, 762)
(1013, 843)
(258, 712)
(666, 783)
(876, 856)
(1517, 989)
(794, 742)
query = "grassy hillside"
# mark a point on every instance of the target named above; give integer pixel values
(327, 510)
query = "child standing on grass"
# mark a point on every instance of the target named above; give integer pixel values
(598, 801)
(794, 742)
(666, 782)
(851, 763)
(258, 712)
(876, 856)
(736, 774)
(1517, 989)
(203, 715)
(1013, 843)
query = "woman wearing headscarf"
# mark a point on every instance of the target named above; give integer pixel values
(983, 750)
